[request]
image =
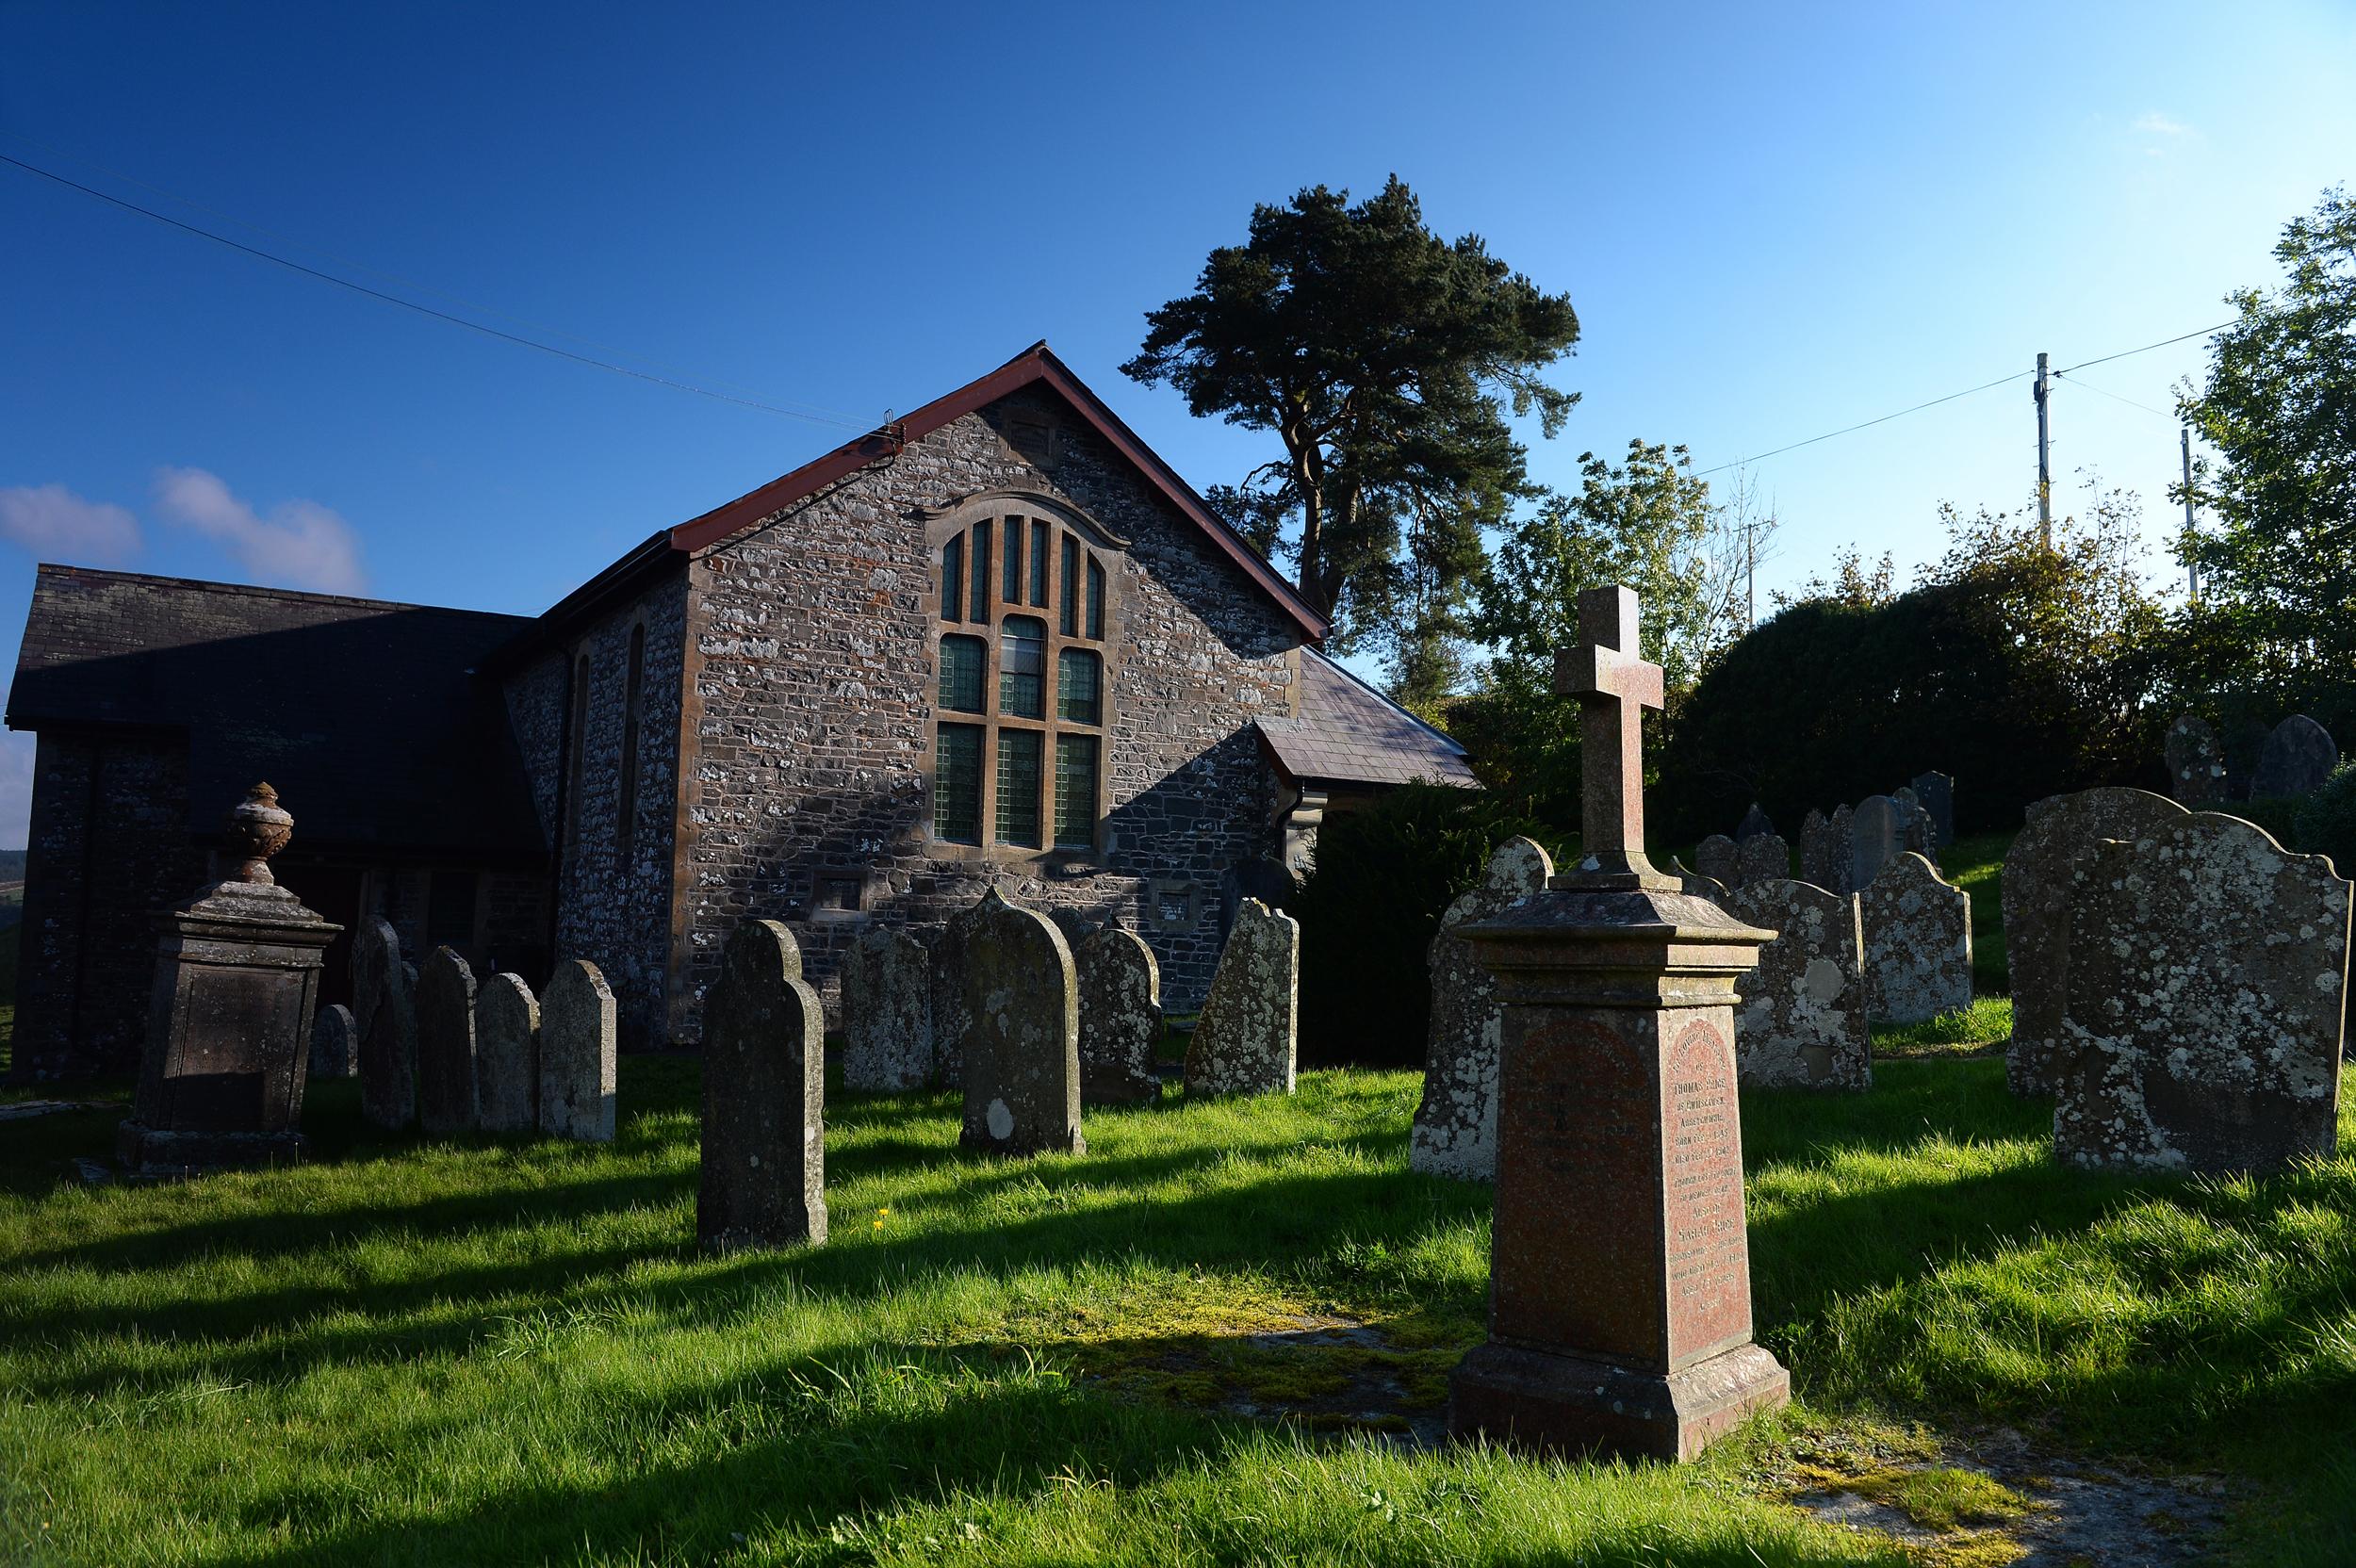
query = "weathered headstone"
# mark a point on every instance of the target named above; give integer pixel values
(1714, 857)
(1917, 833)
(1619, 1269)
(335, 1043)
(375, 960)
(1762, 857)
(388, 1046)
(1694, 882)
(1877, 830)
(1802, 1021)
(951, 1021)
(2297, 758)
(763, 1182)
(576, 1055)
(1121, 1018)
(1918, 942)
(1077, 925)
(887, 1012)
(1755, 821)
(507, 1054)
(1937, 792)
(1456, 1122)
(2195, 762)
(1828, 852)
(2207, 968)
(1246, 1040)
(2037, 882)
(1022, 1042)
(448, 1082)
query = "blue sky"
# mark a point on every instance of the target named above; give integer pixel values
(1772, 223)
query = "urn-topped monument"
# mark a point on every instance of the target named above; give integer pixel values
(1619, 1276)
(237, 980)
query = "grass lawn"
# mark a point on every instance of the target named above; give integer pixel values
(477, 1353)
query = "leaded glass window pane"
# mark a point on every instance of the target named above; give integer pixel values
(963, 662)
(1038, 564)
(981, 571)
(1096, 602)
(957, 782)
(1019, 755)
(1079, 686)
(1070, 586)
(1076, 791)
(951, 578)
(1022, 668)
(1010, 591)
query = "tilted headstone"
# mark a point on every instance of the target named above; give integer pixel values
(1022, 1042)
(388, 1046)
(1801, 1022)
(1121, 1018)
(1762, 857)
(2297, 758)
(507, 1054)
(448, 1084)
(763, 1182)
(2207, 968)
(1918, 942)
(887, 982)
(1937, 792)
(1828, 852)
(578, 1039)
(2036, 885)
(1877, 830)
(1246, 1039)
(2195, 762)
(1456, 1123)
(335, 1043)
(1714, 857)
(951, 1021)
(1755, 821)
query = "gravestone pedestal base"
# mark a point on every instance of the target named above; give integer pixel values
(1575, 1407)
(163, 1152)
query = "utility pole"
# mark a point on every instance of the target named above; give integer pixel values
(2192, 562)
(2044, 469)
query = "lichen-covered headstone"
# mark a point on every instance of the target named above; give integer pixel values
(2206, 971)
(1456, 1123)
(1801, 1022)
(1876, 832)
(1917, 833)
(1917, 941)
(2037, 883)
(577, 1047)
(1246, 1040)
(951, 1021)
(1714, 857)
(1762, 857)
(1022, 1041)
(335, 1043)
(507, 1054)
(2195, 762)
(1121, 1018)
(1828, 852)
(887, 1012)
(2297, 758)
(388, 1046)
(446, 1069)
(763, 1182)
(1076, 926)
(1755, 821)
(1937, 792)
(375, 960)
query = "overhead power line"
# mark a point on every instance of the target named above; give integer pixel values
(827, 417)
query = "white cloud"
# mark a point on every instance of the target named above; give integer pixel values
(2152, 122)
(300, 544)
(57, 525)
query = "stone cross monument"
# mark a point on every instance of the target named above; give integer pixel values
(1619, 1277)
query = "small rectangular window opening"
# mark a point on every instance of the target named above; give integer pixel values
(1038, 564)
(980, 609)
(1070, 586)
(951, 578)
(1011, 590)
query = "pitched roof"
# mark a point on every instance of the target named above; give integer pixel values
(364, 714)
(1350, 733)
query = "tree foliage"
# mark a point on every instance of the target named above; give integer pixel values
(1386, 361)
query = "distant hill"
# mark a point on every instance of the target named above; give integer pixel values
(11, 865)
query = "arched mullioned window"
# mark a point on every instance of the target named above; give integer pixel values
(1024, 601)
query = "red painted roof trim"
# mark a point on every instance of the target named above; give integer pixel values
(1035, 364)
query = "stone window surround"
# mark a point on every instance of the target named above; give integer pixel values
(947, 523)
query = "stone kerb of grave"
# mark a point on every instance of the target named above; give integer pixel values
(507, 1054)
(1022, 1038)
(389, 1041)
(449, 1086)
(577, 1040)
(1918, 942)
(1456, 1122)
(2208, 968)
(2297, 757)
(764, 1148)
(1801, 1021)
(887, 1012)
(2038, 887)
(1247, 1040)
(1762, 857)
(1121, 1018)
(2195, 762)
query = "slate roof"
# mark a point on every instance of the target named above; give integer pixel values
(364, 715)
(1350, 733)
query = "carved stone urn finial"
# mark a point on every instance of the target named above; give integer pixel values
(258, 828)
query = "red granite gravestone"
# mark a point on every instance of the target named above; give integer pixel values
(1619, 1276)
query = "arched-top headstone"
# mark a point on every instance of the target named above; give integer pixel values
(764, 1145)
(448, 1084)
(886, 983)
(1713, 858)
(1917, 941)
(1878, 831)
(951, 1021)
(1022, 1041)
(507, 1054)
(2208, 969)
(2036, 885)
(1456, 1123)
(1762, 857)
(2297, 758)
(1755, 821)
(1801, 1022)
(1120, 1018)
(335, 1043)
(2195, 762)
(577, 1031)
(1246, 1040)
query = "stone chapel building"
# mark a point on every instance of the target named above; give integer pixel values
(997, 641)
